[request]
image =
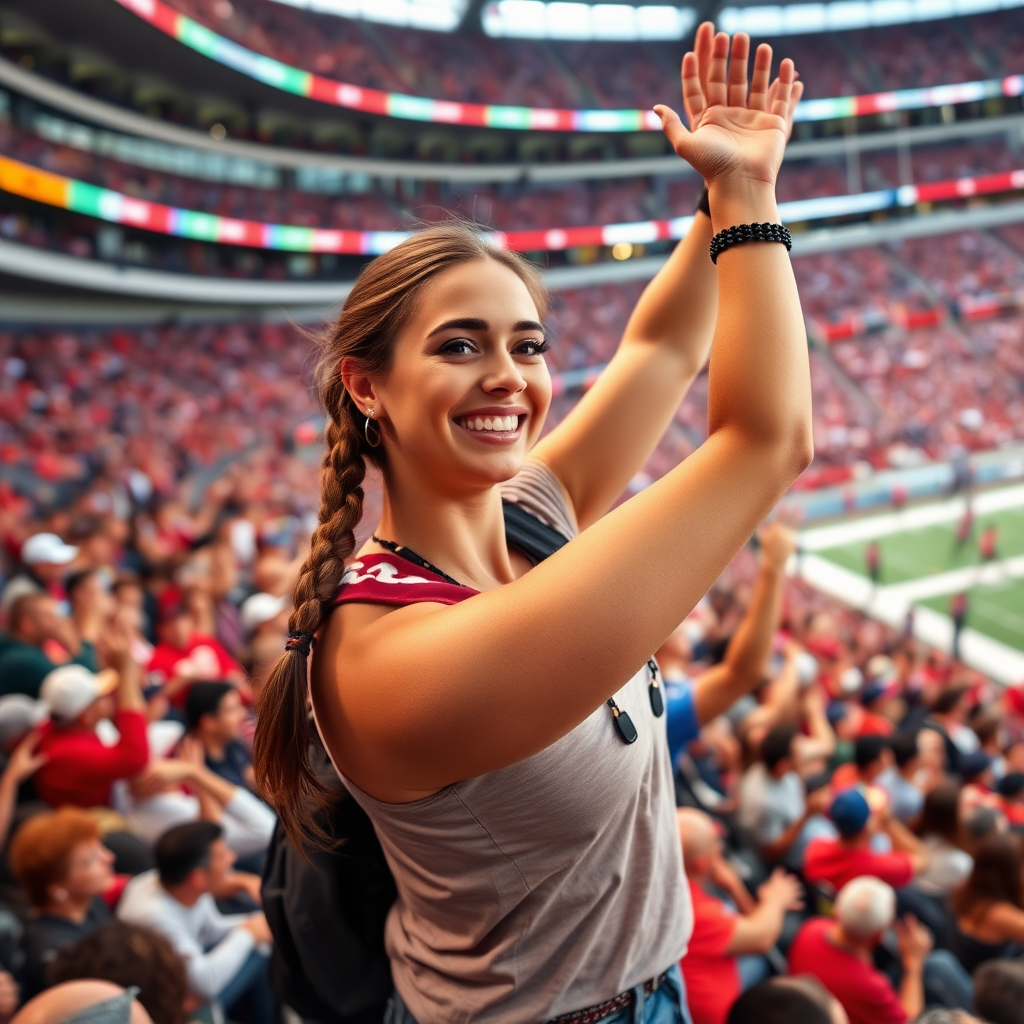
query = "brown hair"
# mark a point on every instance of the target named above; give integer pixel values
(941, 813)
(381, 302)
(998, 876)
(127, 955)
(41, 850)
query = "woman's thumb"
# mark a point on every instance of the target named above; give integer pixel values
(674, 129)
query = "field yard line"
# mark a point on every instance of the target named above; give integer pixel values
(871, 527)
(955, 580)
(890, 605)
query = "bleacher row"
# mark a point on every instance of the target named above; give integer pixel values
(947, 386)
(482, 70)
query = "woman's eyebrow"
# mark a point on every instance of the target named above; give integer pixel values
(528, 325)
(470, 323)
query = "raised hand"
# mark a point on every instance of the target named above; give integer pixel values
(737, 135)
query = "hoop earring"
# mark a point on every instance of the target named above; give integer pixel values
(366, 430)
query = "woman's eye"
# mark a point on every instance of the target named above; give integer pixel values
(534, 347)
(457, 347)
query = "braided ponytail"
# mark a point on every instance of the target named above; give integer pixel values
(379, 305)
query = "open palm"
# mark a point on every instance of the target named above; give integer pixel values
(734, 130)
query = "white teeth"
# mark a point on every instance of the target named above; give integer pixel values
(498, 423)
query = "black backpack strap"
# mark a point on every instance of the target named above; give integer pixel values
(530, 535)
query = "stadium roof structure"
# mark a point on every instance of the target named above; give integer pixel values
(298, 82)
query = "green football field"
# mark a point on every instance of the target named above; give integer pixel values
(931, 549)
(995, 608)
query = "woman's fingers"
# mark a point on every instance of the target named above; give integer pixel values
(702, 46)
(759, 83)
(717, 93)
(794, 98)
(674, 129)
(787, 76)
(738, 70)
(693, 92)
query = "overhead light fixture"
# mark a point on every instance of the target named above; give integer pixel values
(559, 19)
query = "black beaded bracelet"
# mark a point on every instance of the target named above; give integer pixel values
(704, 202)
(749, 233)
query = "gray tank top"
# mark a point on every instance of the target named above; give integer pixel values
(547, 886)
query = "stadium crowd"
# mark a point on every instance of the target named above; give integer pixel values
(851, 816)
(598, 74)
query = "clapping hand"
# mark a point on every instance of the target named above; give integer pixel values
(24, 761)
(736, 134)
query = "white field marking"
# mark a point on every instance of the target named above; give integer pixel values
(949, 511)
(890, 604)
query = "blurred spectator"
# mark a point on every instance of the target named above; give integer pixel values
(999, 991)
(185, 655)
(785, 1000)
(46, 560)
(131, 956)
(265, 620)
(725, 952)
(80, 767)
(901, 779)
(948, 864)
(839, 861)
(66, 872)
(872, 758)
(988, 909)
(84, 1002)
(222, 953)
(839, 954)
(214, 715)
(155, 801)
(772, 803)
(34, 623)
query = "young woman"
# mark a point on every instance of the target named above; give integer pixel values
(988, 909)
(477, 704)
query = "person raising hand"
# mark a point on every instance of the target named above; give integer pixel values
(493, 709)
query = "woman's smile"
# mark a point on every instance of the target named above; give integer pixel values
(494, 425)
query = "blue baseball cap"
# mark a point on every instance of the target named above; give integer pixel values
(849, 812)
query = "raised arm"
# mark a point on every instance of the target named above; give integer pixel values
(742, 669)
(615, 427)
(431, 695)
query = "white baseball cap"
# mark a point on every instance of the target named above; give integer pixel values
(47, 547)
(260, 608)
(18, 715)
(67, 691)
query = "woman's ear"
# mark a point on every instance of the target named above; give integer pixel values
(361, 387)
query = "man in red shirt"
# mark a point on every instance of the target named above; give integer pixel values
(184, 655)
(720, 934)
(839, 954)
(838, 861)
(79, 768)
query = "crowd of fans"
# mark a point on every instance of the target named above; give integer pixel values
(155, 503)
(477, 69)
(854, 813)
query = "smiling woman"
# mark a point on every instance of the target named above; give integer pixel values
(495, 712)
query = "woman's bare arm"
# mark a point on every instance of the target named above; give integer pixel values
(615, 427)
(424, 696)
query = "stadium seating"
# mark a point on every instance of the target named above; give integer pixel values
(482, 70)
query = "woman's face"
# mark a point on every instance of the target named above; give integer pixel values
(469, 387)
(90, 870)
